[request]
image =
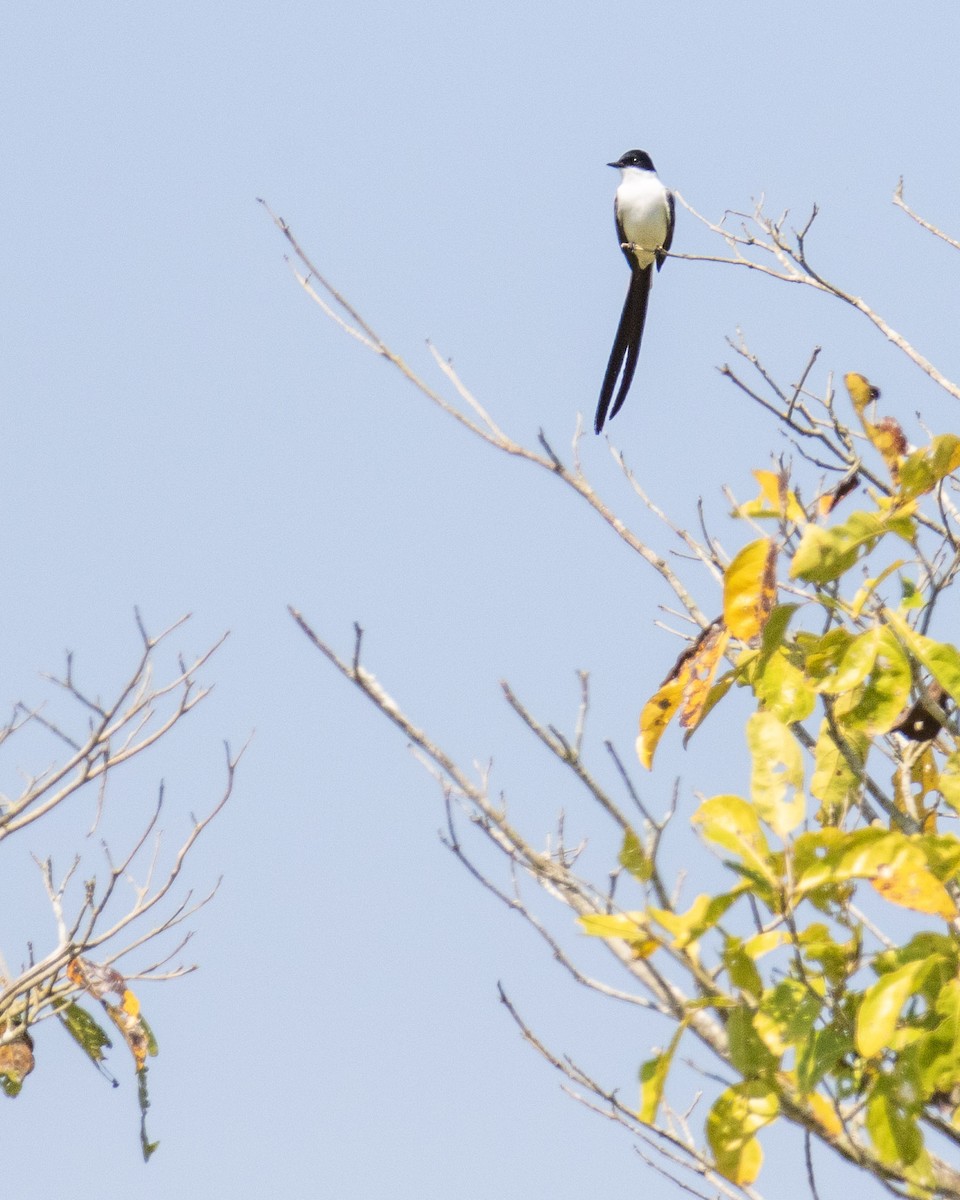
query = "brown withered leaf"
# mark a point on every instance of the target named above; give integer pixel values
(103, 981)
(916, 888)
(126, 1016)
(829, 500)
(99, 981)
(890, 440)
(16, 1060)
(702, 661)
(685, 689)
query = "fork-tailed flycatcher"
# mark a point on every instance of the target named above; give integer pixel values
(644, 210)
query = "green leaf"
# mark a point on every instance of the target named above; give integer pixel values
(634, 858)
(741, 969)
(921, 471)
(775, 629)
(883, 1002)
(146, 1146)
(782, 688)
(748, 1053)
(776, 781)
(855, 663)
(938, 1054)
(819, 1055)
(653, 1078)
(887, 691)
(153, 1048)
(943, 853)
(822, 655)
(835, 959)
(920, 946)
(910, 594)
(786, 1015)
(834, 782)
(893, 1128)
(941, 659)
(825, 554)
(91, 1037)
(874, 663)
(739, 958)
(948, 781)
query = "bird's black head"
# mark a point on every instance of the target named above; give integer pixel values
(634, 158)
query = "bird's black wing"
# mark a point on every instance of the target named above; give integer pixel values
(668, 240)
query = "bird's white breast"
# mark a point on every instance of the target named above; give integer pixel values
(642, 211)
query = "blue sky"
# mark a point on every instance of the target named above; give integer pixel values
(184, 432)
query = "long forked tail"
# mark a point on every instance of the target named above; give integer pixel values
(626, 346)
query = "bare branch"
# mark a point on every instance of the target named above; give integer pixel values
(117, 732)
(901, 203)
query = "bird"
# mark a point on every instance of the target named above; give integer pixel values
(644, 211)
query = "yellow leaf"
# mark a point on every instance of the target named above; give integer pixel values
(861, 390)
(731, 1125)
(644, 947)
(826, 1114)
(750, 589)
(769, 486)
(775, 495)
(656, 716)
(882, 1003)
(776, 781)
(915, 888)
(730, 822)
(886, 435)
(630, 927)
(614, 925)
(703, 914)
(763, 943)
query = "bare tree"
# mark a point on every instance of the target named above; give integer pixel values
(787, 983)
(128, 906)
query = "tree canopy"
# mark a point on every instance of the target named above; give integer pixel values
(821, 980)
